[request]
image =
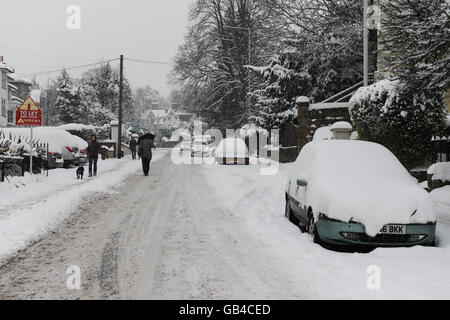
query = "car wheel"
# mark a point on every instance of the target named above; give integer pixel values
(288, 213)
(311, 228)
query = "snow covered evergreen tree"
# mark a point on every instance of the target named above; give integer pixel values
(106, 86)
(67, 104)
(95, 113)
(405, 114)
(282, 84)
(416, 35)
(320, 56)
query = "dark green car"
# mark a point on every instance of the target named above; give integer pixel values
(366, 183)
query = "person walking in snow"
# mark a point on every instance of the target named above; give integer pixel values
(145, 151)
(133, 148)
(92, 151)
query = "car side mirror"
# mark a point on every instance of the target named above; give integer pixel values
(302, 183)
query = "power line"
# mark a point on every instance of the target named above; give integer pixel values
(41, 55)
(67, 69)
(148, 61)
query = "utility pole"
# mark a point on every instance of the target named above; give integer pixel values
(119, 142)
(366, 44)
(249, 73)
(48, 102)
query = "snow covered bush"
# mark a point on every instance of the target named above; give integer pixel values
(399, 118)
(440, 171)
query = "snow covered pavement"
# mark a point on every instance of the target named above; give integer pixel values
(30, 206)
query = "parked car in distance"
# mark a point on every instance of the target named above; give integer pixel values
(55, 160)
(232, 151)
(200, 147)
(356, 193)
(185, 146)
(79, 147)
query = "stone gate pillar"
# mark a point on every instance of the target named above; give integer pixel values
(303, 121)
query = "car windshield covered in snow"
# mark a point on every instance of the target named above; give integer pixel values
(361, 182)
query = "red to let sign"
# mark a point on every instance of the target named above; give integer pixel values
(29, 114)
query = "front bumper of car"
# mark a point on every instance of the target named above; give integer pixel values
(353, 234)
(233, 160)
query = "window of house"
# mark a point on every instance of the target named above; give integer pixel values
(3, 79)
(3, 108)
(10, 116)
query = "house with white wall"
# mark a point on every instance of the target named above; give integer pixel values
(19, 91)
(4, 92)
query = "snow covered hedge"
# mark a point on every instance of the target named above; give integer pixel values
(17, 146)
(86, 131)
(403, 120)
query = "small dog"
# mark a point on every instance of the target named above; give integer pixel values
(80, 173)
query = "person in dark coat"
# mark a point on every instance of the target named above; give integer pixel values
(92, 151)
(133, 148)
(145, 151)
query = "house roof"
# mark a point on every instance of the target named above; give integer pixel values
(3, 66)
(16, 79)
(161, 113)
(12, 86)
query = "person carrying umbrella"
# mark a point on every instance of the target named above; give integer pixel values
(145, 151)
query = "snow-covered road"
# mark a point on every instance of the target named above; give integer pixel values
(209, 232)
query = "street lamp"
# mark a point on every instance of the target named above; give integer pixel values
(366, 44)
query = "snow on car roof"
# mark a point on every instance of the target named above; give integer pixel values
(56, 138)
(232, 147)
(362, 182)
(76, 127)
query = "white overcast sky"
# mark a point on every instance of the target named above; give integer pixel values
(142, 29)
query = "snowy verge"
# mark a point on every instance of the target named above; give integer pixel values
(31, 206)
(258, 201)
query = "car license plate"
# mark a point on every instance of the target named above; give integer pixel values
(393, 229)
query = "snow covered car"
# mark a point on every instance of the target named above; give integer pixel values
(78, 147)
(55, 160)
(232, 151)
(185, 146)
(200, 148)
(354, 193)
(59, 141)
